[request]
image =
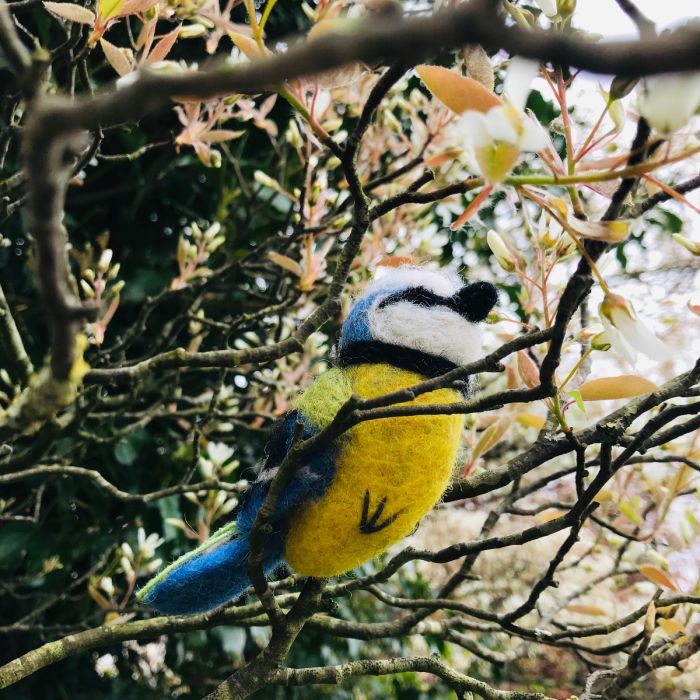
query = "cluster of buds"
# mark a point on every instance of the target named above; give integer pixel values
(212, 504)
(192, 254)
(133, 565)
(142, 561)
(99, 284)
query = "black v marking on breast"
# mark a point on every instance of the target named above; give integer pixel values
(370, 524)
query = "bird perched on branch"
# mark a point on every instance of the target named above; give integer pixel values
(360, 493)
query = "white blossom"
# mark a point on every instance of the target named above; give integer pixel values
(148, 545)
(627, 332)
(219, 452)
(499, 136)
(106, 666)
(669, 100)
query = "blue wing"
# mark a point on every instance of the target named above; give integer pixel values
(217, 571)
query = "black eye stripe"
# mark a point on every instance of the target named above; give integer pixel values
(420, 296)
(472, 302)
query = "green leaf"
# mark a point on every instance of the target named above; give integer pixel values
(125, 453)
(576, 396)
(621, 86)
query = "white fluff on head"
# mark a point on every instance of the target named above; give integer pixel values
(438, 281)
(436, 330)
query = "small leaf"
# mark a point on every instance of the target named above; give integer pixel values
(629, 510)
(671, 627)
(287, 263)
(490, 437)
(108, 9)
(117, 58)
(457, 92)
(479, 65)
(247, 46)
(550, 514)
(604, 495)
(621, 387)
(164, 46)
(98, 597)
(659, 577)
(443, 157)
(530, 420)
(586, 610)
(328, 26)
(576, 396)
(527, 370)
(219, 135)
(650, 619)
(70, 11)
(621, 86)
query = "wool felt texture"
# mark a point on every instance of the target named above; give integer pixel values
(389, 474)
(424, 364)
(357, 496)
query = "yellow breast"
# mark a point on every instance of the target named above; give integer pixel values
(389, 473)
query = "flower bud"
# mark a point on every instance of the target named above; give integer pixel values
(88, 291)
(215, 159)
(117, 288)
(107, 586)
(265, 180)
(127, 567)
(105, 260)
(5, 377)
(566, 7)
(601, 341)
(502, 253)
(691, 246)
(293, 135)
(192, 31)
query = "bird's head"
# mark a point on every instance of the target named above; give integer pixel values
(412, 312)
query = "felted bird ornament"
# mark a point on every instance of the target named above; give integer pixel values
(360, 494)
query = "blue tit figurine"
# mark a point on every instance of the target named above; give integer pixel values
(369, 488)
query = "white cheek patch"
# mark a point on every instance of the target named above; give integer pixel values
(435, 330)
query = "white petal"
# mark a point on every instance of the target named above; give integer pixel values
(472, 126)
(640, 337)
(549, 7)
(500, 127)
(533, 137)
(668, 101)
(519, 76)
(618, 342)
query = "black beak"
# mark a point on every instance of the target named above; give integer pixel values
(476, 300)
